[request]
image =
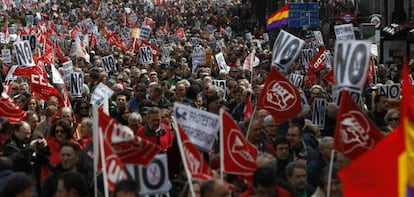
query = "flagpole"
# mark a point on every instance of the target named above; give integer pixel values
(331, 162)
(221, 145)
(251, 122)
(95, 148)
(180, 146)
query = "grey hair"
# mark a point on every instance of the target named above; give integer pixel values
(293, 165)
(389, 113)
(267, 120)
(323, 142)
(268, 160)
(135, 116)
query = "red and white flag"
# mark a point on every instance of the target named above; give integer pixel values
(9, 109)
(279, 97)
(318, 62)
(73, 31)
(195, 162)
(251, 61)
(149, 22)
(238, 154)
(354, 133)
(330, 77)
(129, 148)
(80, 51)
(113, 168)
(180, 33)
(42, 89)
(164, 29)
(248, 108)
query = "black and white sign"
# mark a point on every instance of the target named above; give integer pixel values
(145, 53)
(200, 126)
(24, 53)
(336, 95)
(109, 63)
(307, 55)
(219, 84)
(32, 40)
(266, 37)
(249, 37)
(286, 49)
(29, 20)
(393, 91)
(344, 32)
(351, 63)
(100, 93)
(6, 55)
(319, 112)
(67, 70)
(296, 79)
(222, 62)
(165, 54)
(76, 83)
(145, 32)
(198, 57)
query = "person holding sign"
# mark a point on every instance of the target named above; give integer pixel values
(380, 109)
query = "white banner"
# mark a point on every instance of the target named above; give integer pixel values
(286, 49)
(344, 32)
(198, 57)
(145, 32)
(351, 63)
(6, 55)
(56, 77)
(222, 62)
(165, 54)
(24, 53)
(319, 112)
(67, 70)
(100, 93)
(200, 126)
(76, 83)
(109, 63)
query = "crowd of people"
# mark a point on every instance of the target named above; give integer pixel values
(50, 152)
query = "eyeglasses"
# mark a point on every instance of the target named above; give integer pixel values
(393, 119)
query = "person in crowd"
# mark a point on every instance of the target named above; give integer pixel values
(156, 96)
(315, 167)
(86, 128)
(186, 190)
(82, 110)
(297, 179)
(256, 136)
(45, 125)
(33, 104)
(124, 112)
(271, 128)
(299, 150)
(69, 153)
(60, 132)
(214, 188)
(67, 114)
(281, 146)
(134, 121)
(155, 131)
(121, 99)
(336, 189)
(392, 119)
(214, 104)
(126, 188)
(6, 168)
(71, 184)
(17, 184)
(264, 184)
(33, 120)
(379, 111)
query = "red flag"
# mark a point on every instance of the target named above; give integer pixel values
(238, 154)
(72, 32)
(330, 77)
(248, 108)
(149, 22)
(93, 41)
(42, 89)
(279, 97)
(196, 164)
(371, 70)
(114, 171)
(362, 177)
(180, 33)
(164, 28)
(59, 53)
(9, 109)
(129, 148)
(354, 133)
(318, 62)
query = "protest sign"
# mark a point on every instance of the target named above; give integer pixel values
(146, 55)
(222, 62)
(100, 93)
(32, 41)
(285, 50)
(145, 32)
(393, 91)
(24, 53)
(344, 32)
(76, 84)
(319, 112)
(296, 79)
(6, 56)
(109, 63)
(200, 126)
(221, 84)
(198, 57)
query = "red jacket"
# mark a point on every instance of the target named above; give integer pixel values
(280, 192)
(164, 139)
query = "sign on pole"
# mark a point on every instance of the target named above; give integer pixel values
(109, 63)
(344, 32)
(100, 93)
(200, 126)
(319, 112)
(286, 49)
